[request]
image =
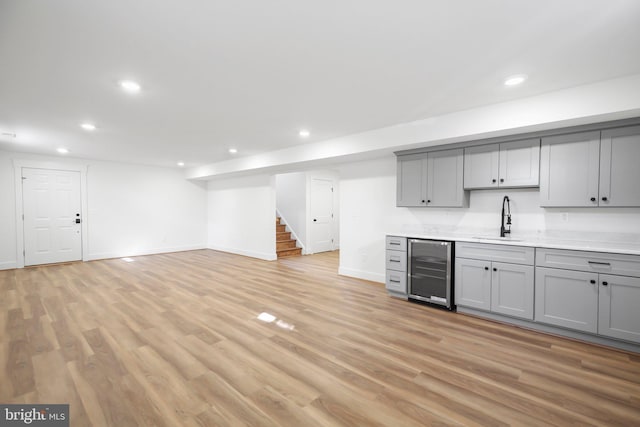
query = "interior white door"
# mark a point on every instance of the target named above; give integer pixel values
(51, 208)
(321, 208)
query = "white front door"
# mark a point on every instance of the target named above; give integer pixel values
(51, 207)
(321, 207)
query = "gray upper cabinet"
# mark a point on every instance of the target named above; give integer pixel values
(520, 163)
(444, 178)
(583, 169)
(431, 179)
(411, 180)
(570, 170)
(619, 167)
(509, 164)
(481, 166)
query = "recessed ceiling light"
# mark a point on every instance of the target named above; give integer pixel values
(304, 133)
(88, 126)
(180, 164)
(9, 134)
(233, 150)
(515, 80)
(62, 150)
(130, 86)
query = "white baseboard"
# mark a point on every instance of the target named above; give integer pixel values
(152, 251)
(360, 274)
(260, 255)
(8, 265)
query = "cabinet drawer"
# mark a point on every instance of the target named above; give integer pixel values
(597, 262)
(500, 253)
(396, 260)
(396, 281)
(396, 243)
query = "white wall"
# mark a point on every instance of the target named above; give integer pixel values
(291, 202)
(241, 216)
(368, 196)
(140, 210)
(7, 213)
(132, 209)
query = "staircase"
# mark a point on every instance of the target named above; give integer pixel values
(285, 245)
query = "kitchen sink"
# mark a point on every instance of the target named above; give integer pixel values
(501, 239)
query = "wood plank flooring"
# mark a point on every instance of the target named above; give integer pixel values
(175, 340)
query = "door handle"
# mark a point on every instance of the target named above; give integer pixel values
(78, 221)
(314, 220)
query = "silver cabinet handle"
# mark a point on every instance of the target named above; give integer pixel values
(394, 281)
(599, 263)
(395, 243)
(394, 260)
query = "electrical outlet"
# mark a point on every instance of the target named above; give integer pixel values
(565, 216)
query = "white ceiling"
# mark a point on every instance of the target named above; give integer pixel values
(250, 74)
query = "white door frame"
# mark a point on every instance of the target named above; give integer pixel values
(52, 165)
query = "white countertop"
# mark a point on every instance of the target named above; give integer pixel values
(606, 242)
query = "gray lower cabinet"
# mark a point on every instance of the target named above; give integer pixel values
(567, 298)
(589, 292)
(396, 266)
(512, 290)
(619, 307)
(433, 179)
(500, 287)
(473, 283)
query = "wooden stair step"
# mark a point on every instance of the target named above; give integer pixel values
(289, 252)
(283, 235)
(286, 244)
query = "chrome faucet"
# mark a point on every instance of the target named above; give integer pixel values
(503, 228)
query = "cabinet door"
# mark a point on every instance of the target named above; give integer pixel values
(620, 167)
(567, 298)
(619, 316)
(520, 163)
(569, 170)
(473, 283)
(411, 180)
(512, 290)
(444, 178)
(481, 166)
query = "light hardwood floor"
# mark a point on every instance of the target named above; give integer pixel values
(175, 339)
